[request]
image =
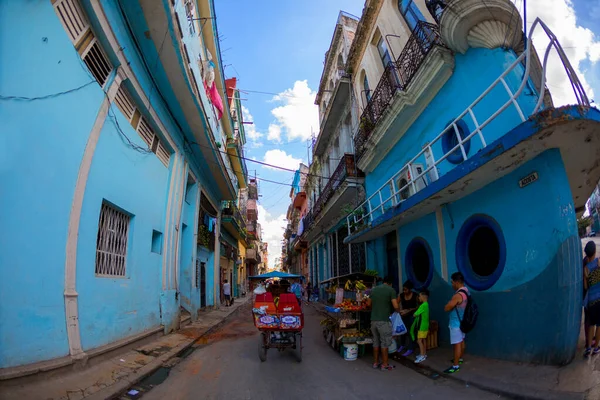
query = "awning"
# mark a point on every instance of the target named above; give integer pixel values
(275, 274)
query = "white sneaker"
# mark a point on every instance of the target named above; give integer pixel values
(420, 359)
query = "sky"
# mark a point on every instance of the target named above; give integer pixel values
(278, 47)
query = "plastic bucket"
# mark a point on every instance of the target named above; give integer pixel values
(350, 351)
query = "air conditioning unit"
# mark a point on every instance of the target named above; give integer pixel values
(404, 179)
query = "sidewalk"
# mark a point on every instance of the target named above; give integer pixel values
(111, 377)
(578, 380)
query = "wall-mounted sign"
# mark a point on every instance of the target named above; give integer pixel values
(529, 179)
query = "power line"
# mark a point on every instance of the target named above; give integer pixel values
(268, 165)
(269, 93)
(48, 96)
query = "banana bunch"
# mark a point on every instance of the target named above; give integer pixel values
(359, 285)
(348, 286)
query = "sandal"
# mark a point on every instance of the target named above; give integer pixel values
(376, 366)
(596, 351)
(460, 361)
(587, 352)
(388, 367)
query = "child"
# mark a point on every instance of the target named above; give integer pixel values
(421, 325)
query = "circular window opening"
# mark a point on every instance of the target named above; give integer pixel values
(450, 141)
(419, 262)
(481, 252)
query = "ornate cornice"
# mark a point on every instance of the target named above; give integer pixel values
(330, 56)
(363, 34)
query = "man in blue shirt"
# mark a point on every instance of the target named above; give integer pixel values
(296, 288)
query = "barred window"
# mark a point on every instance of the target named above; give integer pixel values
(111, 244)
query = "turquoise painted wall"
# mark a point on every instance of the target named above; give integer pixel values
(473, 73)
(187, 259)
(111, 309)
(40, 153)
(541, 283)
(39, 164)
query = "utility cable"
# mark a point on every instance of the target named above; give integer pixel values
(48, 96)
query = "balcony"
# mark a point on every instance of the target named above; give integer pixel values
(233, 221)
(344, 186)
(299, 200)
(252, 255)
(404, 90)
(251, 230)
(251, 210)
(335, 110)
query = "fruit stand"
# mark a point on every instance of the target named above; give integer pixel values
(348, 320)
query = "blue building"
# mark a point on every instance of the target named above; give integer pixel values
(114, 114)
(467, 167)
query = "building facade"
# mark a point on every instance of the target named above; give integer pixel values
(124, 132)
(457, 136)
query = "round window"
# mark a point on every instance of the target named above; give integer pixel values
(419, 262)
(449, 141)
(481, 252)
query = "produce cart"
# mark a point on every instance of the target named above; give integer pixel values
(280, 322)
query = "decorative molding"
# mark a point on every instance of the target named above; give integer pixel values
(362, 35)
(475, 23)
(70, 292)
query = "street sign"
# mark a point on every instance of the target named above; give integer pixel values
(529, 179)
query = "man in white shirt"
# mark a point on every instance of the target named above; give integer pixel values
(227, 292)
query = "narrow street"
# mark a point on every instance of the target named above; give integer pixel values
(227, 367)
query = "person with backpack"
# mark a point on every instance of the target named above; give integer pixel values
(459, 325)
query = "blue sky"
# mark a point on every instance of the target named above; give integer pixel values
(279, 47)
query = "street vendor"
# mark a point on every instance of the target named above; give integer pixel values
(383, 302)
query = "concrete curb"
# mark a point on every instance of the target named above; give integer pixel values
(118, 388)
(514, 391)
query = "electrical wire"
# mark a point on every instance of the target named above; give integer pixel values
(268, 165)
(48, 96)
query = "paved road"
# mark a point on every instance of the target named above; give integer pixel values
(227, 367)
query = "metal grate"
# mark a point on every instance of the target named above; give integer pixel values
(111, 244)
(145, 131)
(199, 266)
(125, 103)
(163, 154)
(72, 18)
(97, 62)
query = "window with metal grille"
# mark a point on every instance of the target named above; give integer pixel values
(97, 62)
(145, 131)
(163, 154)
(343, 255)
(111, 244)
(190, 13)
(73, 19)
(125, 103)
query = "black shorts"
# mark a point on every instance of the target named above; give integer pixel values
(593, 314)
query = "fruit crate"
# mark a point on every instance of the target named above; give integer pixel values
(432, 337)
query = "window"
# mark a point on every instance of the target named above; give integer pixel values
(419, 262)
(411, 13)
(111, 243)
(125, 103)
(449, 141)
(367, 90)
(480, 251)
(384, 54)
(156, 242)
(77, 26)
(97, 62)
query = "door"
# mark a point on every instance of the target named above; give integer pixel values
(202, 284)
(392, 260)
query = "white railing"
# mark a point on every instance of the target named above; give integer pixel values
(389, 195)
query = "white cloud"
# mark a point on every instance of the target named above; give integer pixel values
(250, 129)
(298, 114)
(274, 133)
(281, 159)
(272, 232)
(579, 44)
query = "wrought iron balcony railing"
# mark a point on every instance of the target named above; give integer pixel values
(229, 209)
(346, 168)
(436, 8)
(396, 77)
